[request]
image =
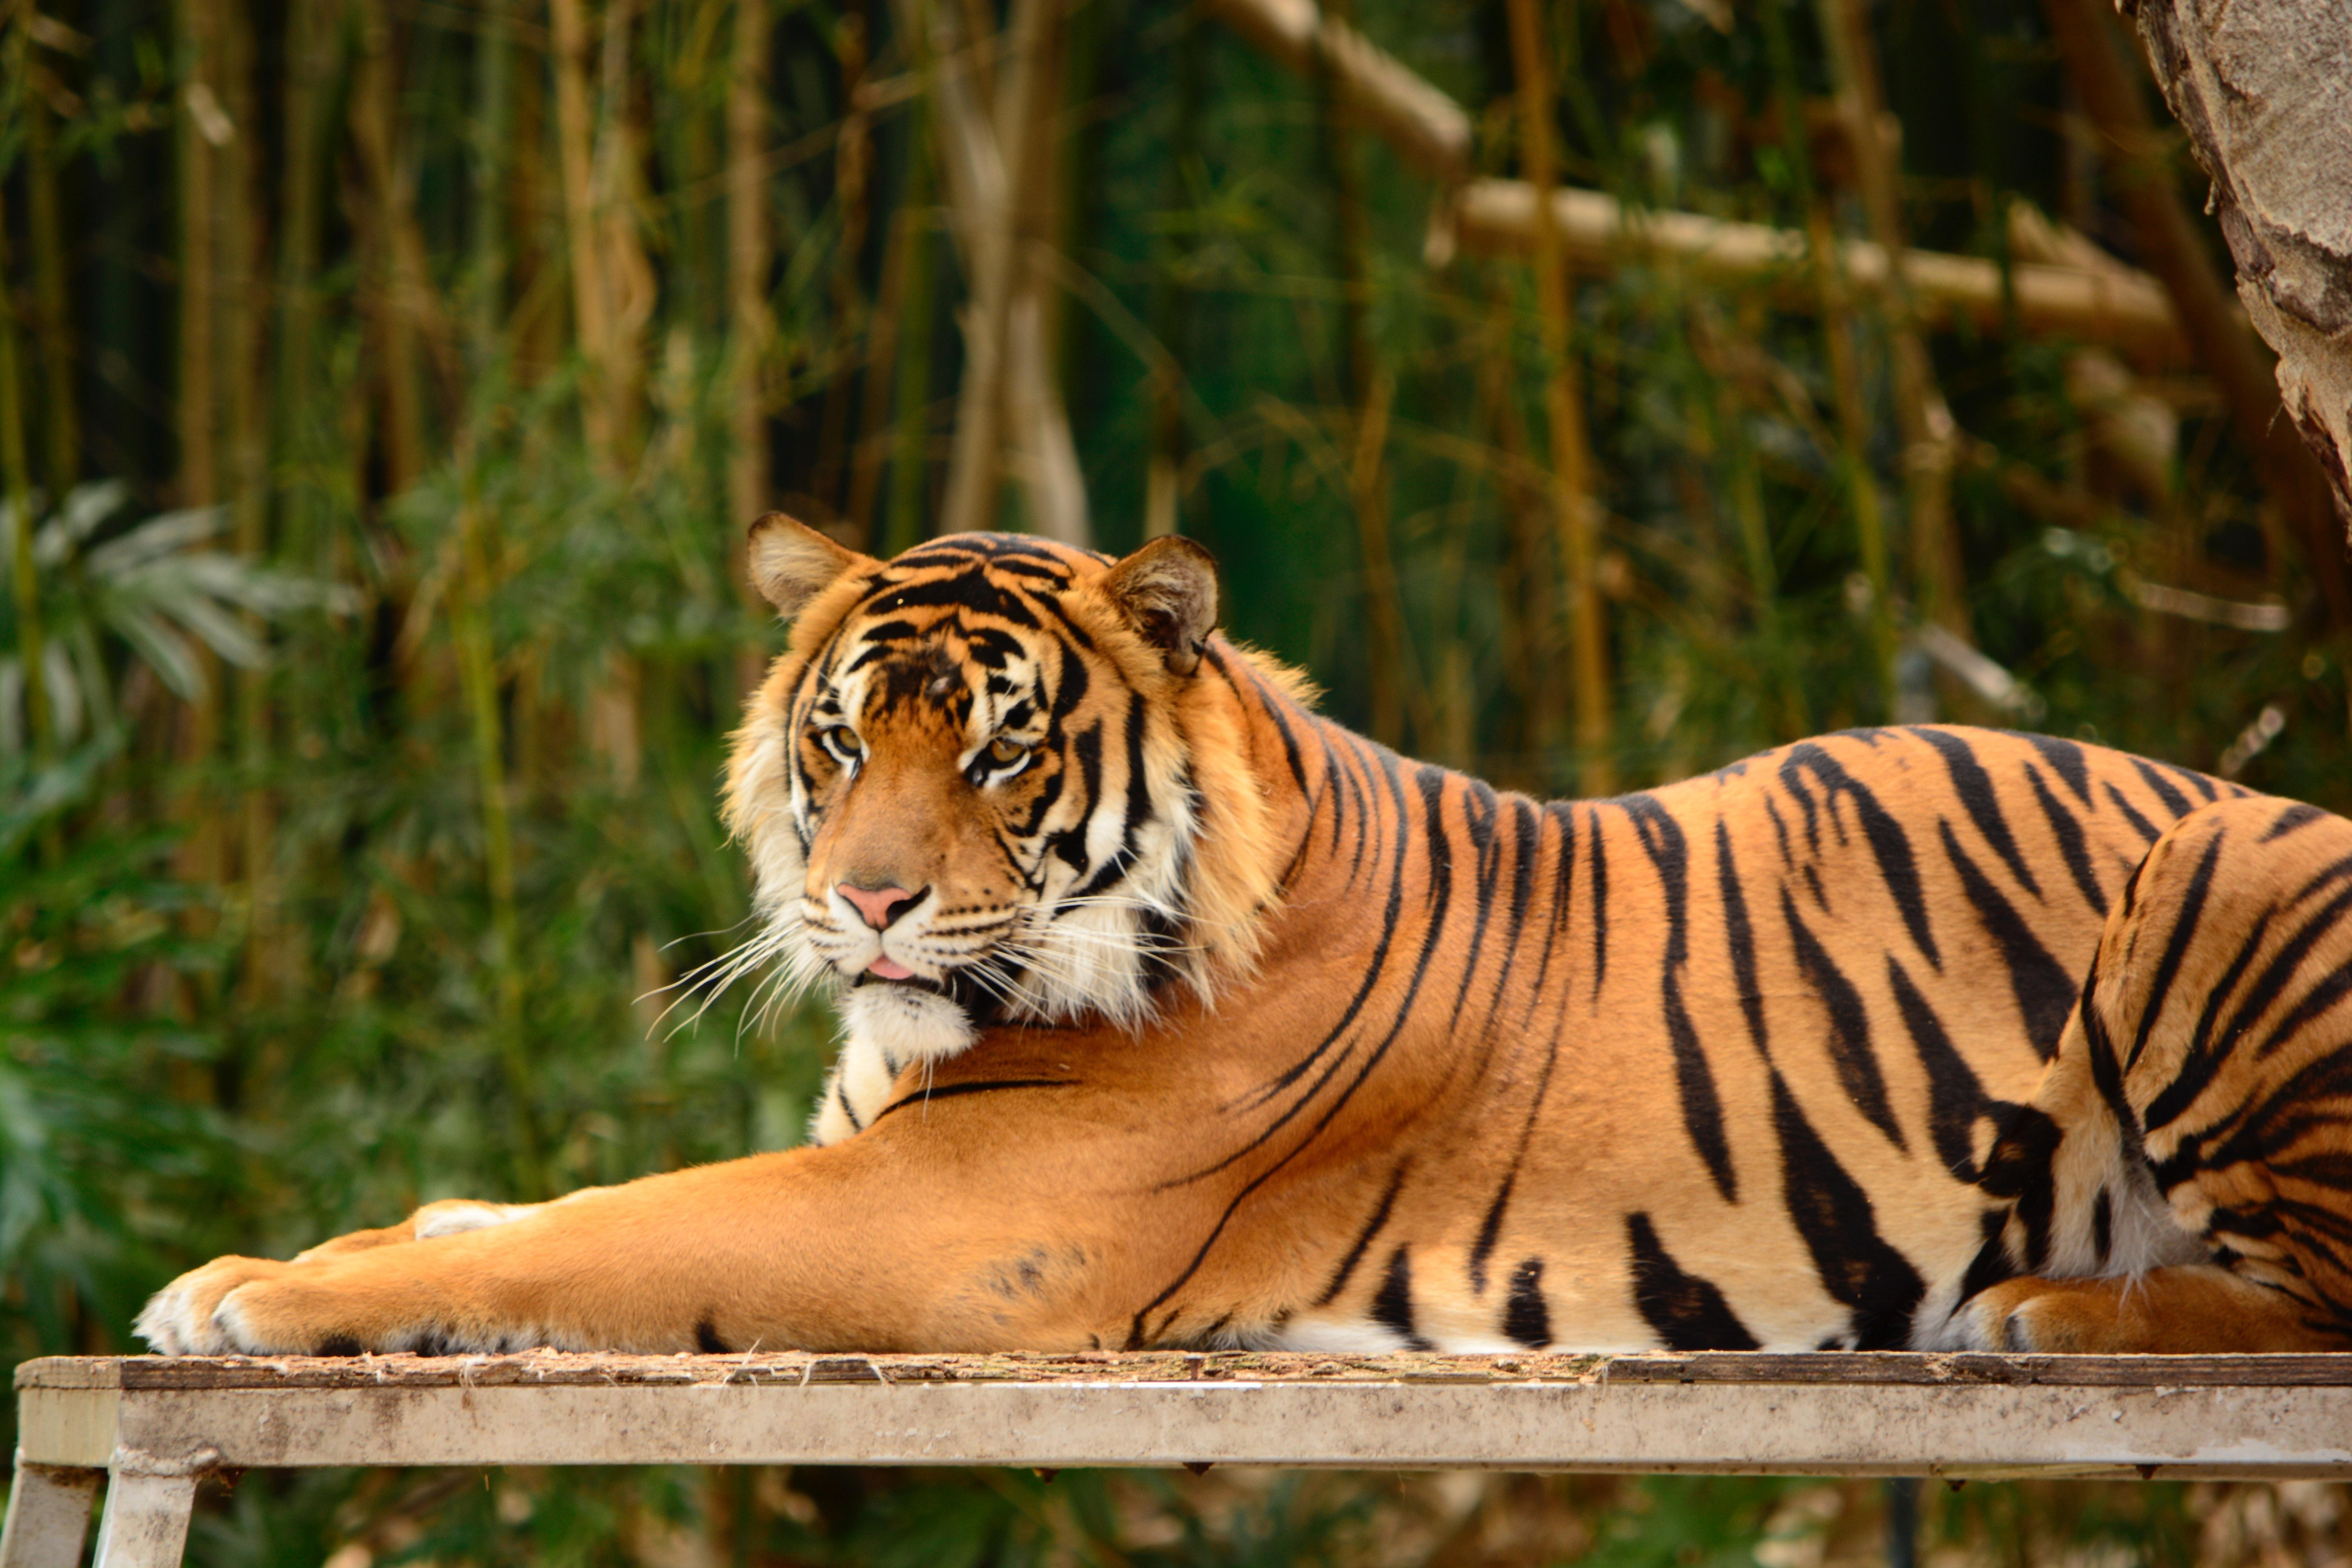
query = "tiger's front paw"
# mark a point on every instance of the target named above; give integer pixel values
(185, 1317)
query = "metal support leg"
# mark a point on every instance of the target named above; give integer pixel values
(49, 1516)
(146, 1520)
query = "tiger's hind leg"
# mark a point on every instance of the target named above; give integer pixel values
(2183, 1178)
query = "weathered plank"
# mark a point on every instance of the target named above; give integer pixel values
(553, 1369)
(1953, 1416)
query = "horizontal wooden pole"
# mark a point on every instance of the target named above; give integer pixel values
(2117, 305)
(1427, 128)
(1955, 1416)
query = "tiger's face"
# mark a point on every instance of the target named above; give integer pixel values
(969, 787)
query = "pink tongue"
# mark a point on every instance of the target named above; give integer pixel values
(889, 971)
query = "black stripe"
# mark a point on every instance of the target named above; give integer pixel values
(1687, 1313)
(707, 1340)
(1491, 1227)
(971, 1085)
(1527, 1317)
(1956, 1099)
(2176, 948)
(1991, 1264)
(2045, 992)
(2292, 819)
(1832, 1212)
(1373, 1227)
(1889, 843)
(2018, 1169)
(1599, 906)
(2174, 801)
(2103, 1226)
(1982, 801)
(1669, 851)
(2140, 824)
(2321, 996)
(2194, 779)
(2072, 845)
(1849, 1036)
(1392, 1305)
(1741, 938)
(2065, 759)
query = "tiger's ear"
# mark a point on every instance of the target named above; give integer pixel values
(793, 563)
(1168, 593)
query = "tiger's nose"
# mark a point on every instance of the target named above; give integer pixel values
(880, 906)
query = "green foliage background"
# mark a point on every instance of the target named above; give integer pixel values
(290, 944)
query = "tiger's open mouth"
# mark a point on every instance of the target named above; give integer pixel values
(957, 985)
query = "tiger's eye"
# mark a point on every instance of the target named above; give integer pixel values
(1004, 752)
(844, 740)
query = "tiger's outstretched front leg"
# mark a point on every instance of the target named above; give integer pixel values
(872, 1244)
(2191, 1151)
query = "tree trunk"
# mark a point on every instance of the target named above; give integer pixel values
(2264, 89)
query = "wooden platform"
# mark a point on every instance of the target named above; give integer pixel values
(158, 1424)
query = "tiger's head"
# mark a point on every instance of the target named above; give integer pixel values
(999, 778)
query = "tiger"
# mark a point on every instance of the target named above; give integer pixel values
(1177, 1015)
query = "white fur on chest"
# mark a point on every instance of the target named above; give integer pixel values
(886, 1029)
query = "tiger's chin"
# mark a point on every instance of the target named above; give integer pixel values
(887, 1026)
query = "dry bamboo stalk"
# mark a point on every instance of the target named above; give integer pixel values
(749, 255)
(1043, 452)
(1929, 436)
(631, 290)
(1427, 128)
(1163, 503)
(911, 398)
(574, 134)
(852, 161)
(987, 218)
(1529, 621)
(1574, 513)
(2126, 309)
(1007, 397)
(203, 130)
(874, 427)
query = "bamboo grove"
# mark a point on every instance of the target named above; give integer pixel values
(1586, 392)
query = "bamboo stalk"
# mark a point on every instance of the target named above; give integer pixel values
(1529, 617)
(574, 134)
(750, 258)
(491, 167)
(1929, 436)
(15, 469)
(400, 370)
(852, 162)
(911, 417)
(974, 464)
(1171, 302)
(1831, 283)
(874, 429)
(1575, 515)
(47, 232)
(479, 671)
(245, 293)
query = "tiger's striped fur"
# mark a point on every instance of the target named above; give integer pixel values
(1221, 1025)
